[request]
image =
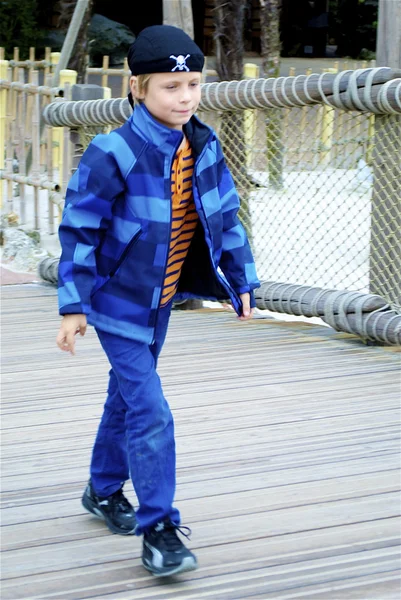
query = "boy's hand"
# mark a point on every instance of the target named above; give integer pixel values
(247, 311)
(70, 326)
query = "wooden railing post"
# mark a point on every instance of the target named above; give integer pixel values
(251, 71)
(67, 76)
(3, 119)
(35, 120)
(327, 130)
(57, 131)
(125, 80)
(105, 76)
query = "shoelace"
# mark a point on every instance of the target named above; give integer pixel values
(169, 535)
(118, 499)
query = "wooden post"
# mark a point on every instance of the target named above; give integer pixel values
(9, 135)
(371, 136)
(57, 131)
(16, 59)
(47, 68)
(66, 154)
(287, 111)
(125, 80)
(3, 119)
(22, 148)
(49, 162)
(326, 138)
(385, 245)
(67, 79)
(54, 59)
(251, 71)
(36, 149)
(388, 46)
(105, 75)
(31, 66)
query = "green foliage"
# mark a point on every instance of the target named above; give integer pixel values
(353, 27)
(18, 26)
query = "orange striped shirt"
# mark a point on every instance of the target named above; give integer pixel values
(184, 220)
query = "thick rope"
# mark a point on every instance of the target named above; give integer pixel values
(365, 90)
(366, 315)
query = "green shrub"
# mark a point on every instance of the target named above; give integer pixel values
(18, 26)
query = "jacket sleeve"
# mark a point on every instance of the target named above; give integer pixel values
(91, 193)
(236, 261)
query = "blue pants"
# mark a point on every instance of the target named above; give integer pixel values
(136, 433)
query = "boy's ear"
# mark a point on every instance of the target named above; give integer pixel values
(133, 84)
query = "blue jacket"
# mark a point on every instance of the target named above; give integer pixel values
(116, 227)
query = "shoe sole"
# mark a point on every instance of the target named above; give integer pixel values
(188, 564)
(90, 507)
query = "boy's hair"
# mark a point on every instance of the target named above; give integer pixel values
(142, 82)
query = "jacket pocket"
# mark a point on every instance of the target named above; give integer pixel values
(125, 252)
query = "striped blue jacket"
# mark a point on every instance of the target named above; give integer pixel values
(116, 227)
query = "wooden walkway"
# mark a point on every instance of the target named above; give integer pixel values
(288, 461)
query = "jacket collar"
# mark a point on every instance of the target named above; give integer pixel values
(165, 139)
(144, 124)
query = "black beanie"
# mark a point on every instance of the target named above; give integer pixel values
(164, 49)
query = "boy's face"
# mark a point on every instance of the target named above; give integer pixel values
(172, 98)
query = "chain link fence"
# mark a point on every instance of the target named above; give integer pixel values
(320, 194)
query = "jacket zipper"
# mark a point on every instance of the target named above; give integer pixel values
(168, 247)
(124, 253)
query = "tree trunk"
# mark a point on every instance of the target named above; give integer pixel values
(78, 60)
(229, 46)
(229, 38)
(388, 49)
(179, 14)
(270, 52)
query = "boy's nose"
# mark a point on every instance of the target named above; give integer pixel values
(185, 96)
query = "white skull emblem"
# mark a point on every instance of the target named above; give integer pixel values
(180, 60)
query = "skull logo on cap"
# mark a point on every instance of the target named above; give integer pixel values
(180, 60)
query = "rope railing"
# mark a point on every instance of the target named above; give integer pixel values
(332, 222)
(365, 90)
(29, 88)
(376, 90)
(367, 315)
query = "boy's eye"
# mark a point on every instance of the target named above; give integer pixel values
(195, 84)
(171, 87)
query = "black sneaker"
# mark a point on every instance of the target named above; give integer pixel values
(115, 510)
(164, 553)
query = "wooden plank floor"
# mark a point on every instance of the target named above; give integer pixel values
(288, 461)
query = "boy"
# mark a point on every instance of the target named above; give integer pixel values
(150, 215)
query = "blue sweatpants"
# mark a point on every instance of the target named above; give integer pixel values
(136, 432)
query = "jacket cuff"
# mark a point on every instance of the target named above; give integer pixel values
(75, 309)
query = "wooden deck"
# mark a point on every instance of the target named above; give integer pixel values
(288, 461)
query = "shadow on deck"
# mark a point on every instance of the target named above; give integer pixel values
(288, 461)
